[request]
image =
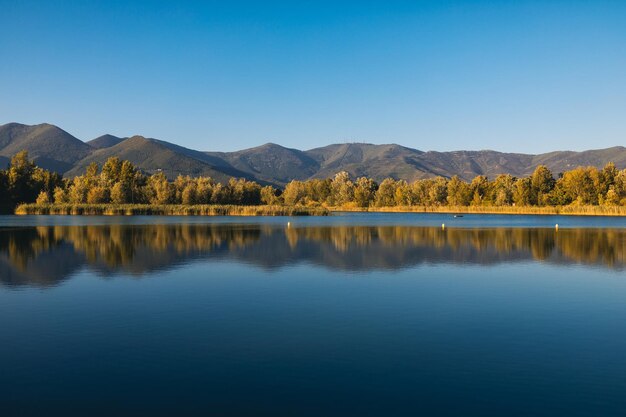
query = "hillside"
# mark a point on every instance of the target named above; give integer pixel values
(55, 149)
(105, 141)
(151, 155)
(272, 163)
(50, 146)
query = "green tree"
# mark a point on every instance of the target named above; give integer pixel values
(111, 171)
(542, 183)
(607, 177)
(581, 185)
(20, 179)
(459, 192)
(522, 192)
(480, 190)
(438, 191)
(502, 190)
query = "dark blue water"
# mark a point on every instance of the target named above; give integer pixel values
(351, 315)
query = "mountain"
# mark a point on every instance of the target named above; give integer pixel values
(374, 161)
(105, 141)
(51, 147)
(272, 163)
(55, 149)
(152, 155)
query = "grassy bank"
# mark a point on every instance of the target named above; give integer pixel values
(167, 210)
(235, 210)
(561, 210)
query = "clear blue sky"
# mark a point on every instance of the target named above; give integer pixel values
(505, 75)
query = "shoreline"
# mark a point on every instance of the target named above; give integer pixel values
(165, 210)
(266, 210)
(508, 210)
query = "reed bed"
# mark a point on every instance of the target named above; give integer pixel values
(167, 210)
(543, 210)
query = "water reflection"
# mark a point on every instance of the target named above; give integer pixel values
(45, 256)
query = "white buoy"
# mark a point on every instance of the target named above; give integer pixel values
(288, 224)
(443, 226)
(556, 226)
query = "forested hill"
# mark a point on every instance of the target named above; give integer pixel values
(57, 150)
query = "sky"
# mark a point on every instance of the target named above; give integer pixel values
(514, 76)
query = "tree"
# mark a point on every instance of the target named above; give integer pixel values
(612, 198)
(607, 177)
(342, 189)
(459, 192)
(98, 195)
(269, 196)
(295, 193)
(120, 194)
(386, 194)
(60, 196)
(502, 190)
(189, 193)
(318, 191)
(364, 191)
(542, 183)
(111, 171)
(43, 198)
(581, 185)
(204, 190)
(438, 191)
(160, 191)
(522, 192)
(20, 179)
(480, 190)
(4, 190)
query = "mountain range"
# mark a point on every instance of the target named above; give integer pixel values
(55, 149)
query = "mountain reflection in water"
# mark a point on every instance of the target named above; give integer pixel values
(44, 256)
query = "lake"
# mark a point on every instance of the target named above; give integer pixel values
(352, 314)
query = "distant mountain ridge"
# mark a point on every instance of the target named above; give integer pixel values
(53, 148)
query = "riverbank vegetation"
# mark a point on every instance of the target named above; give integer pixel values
(168, 210)
(119, 187)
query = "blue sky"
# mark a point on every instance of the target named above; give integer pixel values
(505, 75)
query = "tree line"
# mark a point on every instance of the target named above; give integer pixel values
(120, 182)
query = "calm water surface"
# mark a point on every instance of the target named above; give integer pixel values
(360, 314)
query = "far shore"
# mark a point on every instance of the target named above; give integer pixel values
(526, 210)
(277, 210)
(166, 210)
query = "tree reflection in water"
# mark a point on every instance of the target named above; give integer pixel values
(45, 256)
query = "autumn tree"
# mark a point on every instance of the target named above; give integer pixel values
(270, 196)
(581, 185)
(364, 191)
(386, 194)
(480, 190)
(459, 192)
(542, 182)
(342, 189)
(522, 192)
(502, 190)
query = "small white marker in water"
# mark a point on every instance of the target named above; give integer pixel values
(556, 226)
(443, 226)
(288, 224)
